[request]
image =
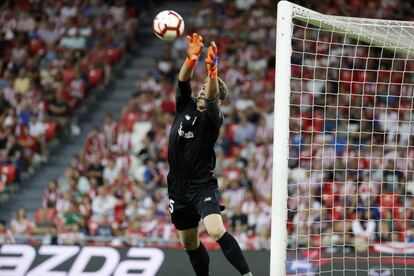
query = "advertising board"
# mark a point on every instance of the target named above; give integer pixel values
(56, 260)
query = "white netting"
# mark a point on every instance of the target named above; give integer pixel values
(351, 177)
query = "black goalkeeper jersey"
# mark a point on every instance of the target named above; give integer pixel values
(192, 137)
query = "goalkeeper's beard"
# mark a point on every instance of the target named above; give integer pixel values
(201, 103)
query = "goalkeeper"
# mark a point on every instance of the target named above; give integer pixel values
(192, 188)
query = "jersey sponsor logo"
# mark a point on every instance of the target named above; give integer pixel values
(207, 199)
(186, 135)
(15, 260)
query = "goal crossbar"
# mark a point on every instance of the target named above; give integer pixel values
(389, 34)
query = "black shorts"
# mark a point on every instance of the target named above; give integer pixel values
(189, 201)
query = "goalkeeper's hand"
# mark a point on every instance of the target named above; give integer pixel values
(195, 46)
(212, 61)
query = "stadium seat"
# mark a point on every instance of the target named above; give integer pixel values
(230, 130)
(113, 54)
(51, 130)
(68, 75)
(36, 46)
(50, 214)
(95, 76)
(9, 171)
(388, 200)
(3, 182)
(384, 75)
(328, 196)
(119, 210)
(92, 225)
(130, 118)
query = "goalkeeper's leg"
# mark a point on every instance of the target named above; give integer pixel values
(228, 244)
(196, 251)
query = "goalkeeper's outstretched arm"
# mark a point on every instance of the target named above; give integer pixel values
(195, 46)
(212, 86)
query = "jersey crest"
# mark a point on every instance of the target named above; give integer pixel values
(182, 133)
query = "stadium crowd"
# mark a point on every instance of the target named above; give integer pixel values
(52, 55)
(117, 185)
(351, 143)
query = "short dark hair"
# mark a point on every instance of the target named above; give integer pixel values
(223, 90)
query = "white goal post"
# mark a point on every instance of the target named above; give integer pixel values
(343, 149)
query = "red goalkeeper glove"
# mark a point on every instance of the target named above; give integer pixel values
(212, 61)
(195, 46)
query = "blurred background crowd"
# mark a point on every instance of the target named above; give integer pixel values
(53, 55)
(351, 136)
(117, 185)
(342, 179)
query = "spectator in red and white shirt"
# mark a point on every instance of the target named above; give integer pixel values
(111, 172)
(363, 229)
(37, 129)
(109, 130)
(85, 207)
(102, 204)
(77, 87)
(249, 203)
(5, 234)
(95, 142)
(51, 195)
(123, 140)
(234, 194)
(20, 225)
(368, 189)
(63, 204)
(264, 133)
(105, 227)
(134, 234)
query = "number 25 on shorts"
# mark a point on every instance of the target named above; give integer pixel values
(171, 206)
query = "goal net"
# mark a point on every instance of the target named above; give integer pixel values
(343, 145)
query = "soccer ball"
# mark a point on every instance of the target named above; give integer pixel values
(168, 25)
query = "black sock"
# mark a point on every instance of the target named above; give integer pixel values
(200, 260)
(233, 253)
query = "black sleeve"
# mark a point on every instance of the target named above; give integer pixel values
(213, 111)
(182, 95)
